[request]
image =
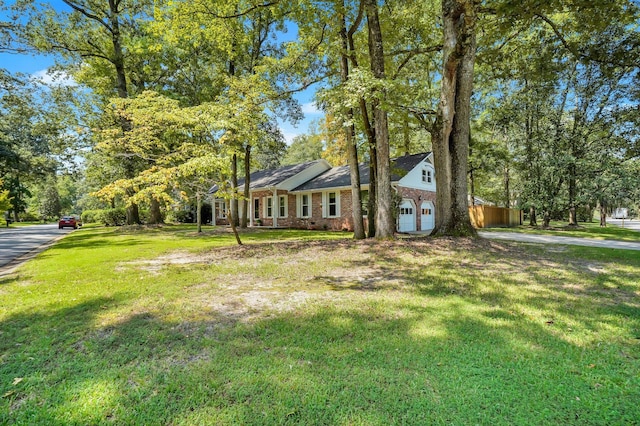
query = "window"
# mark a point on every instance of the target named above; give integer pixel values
(304, 205)
(406, 210)
(426, 176)
(282, 206)
(426, 212)
(269, 207)
(256, 208)
(333, 204)
(221, 208)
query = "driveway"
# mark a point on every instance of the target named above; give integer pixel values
(16, 243)
(555, 239)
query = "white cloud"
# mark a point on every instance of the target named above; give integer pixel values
(53, 78)
(311, 109)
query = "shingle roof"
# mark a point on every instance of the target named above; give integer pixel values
(271, 178)
(339, 177)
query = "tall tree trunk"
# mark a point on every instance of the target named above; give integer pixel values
(385, 223)
(603, 214)
(234, 184)
(155, 214)
(369, 131)
(371, 206)
(573, 220)
(133, 214)
(507, 191)
(452, 126)
(532, 216)
(199, 211)
(247, 182)
(352, 149)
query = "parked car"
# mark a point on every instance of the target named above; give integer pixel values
(67, 221)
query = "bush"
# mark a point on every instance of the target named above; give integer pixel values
(110, 217)
(114, 217)
(91, 216)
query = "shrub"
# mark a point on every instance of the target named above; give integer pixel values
(114, 217)
(110, 217)
(91, 216)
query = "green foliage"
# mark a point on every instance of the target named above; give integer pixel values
(108, 217)
(390, 337)
(50, 207)
(304, 148)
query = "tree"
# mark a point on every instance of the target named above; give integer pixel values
(304, 148)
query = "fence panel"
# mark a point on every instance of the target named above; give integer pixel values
(490, 216)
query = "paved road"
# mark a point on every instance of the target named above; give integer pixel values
(628, 224)
(18, 241)
(554, 239)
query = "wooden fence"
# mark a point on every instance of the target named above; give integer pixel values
(490, 216)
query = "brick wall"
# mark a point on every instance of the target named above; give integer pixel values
(316, 221)
(418, 196)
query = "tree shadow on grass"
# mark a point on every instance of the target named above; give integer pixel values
(410, 363)
(451, 351)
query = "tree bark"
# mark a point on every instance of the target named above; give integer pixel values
(352, 149)
(233, 217)
(532, 216)
(247, 182)
(155, 214)
(385, 223)
(199, 211)
(452, 125)
(371, 206)
(133, 214)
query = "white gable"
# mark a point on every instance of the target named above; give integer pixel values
(305, 175)
(422, 176)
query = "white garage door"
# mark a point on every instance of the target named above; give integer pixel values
(427, 218)
(407, 217)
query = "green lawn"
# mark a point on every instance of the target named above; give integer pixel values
(164, 326)
(584, 230)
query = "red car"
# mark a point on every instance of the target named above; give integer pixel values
(68, 221)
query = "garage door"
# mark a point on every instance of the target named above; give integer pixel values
(427, 218)
(407, 217)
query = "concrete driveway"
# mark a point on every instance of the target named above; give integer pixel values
(555, 239)
(16, 243)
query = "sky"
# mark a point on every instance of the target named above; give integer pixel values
(37, 66)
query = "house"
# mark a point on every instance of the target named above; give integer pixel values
(315, 195)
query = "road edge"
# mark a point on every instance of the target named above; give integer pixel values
(10, 267)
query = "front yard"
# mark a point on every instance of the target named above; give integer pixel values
(164, 326)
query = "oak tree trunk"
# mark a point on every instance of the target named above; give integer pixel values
(247, 182)
(452, 128)
(352, 150)
(385, 223)
(155, 214)
(234, 184)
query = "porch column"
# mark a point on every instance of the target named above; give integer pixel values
(250, 204)
(276, 208)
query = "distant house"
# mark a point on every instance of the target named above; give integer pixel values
(315, 195)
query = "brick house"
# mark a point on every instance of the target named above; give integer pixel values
(315, 195)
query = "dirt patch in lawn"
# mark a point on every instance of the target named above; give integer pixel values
(242, 283)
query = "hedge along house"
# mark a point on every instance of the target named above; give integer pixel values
(315, 195)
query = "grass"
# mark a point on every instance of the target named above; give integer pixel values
(584, 230)
(164, 326)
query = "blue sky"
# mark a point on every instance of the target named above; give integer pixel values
(37, 66)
